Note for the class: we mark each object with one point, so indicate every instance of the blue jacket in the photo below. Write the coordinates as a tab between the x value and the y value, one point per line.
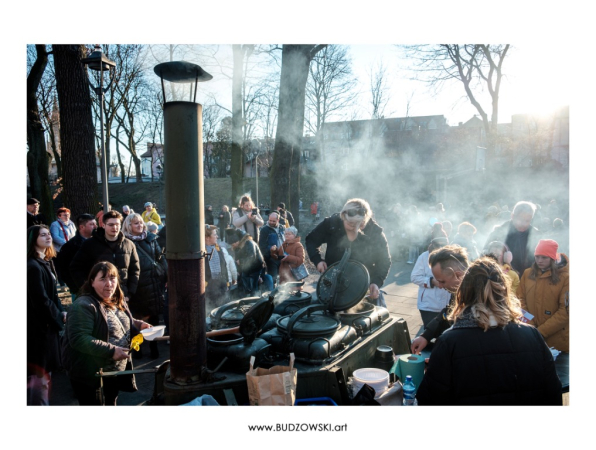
57	233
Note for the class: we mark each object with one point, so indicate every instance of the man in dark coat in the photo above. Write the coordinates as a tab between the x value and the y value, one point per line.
86	224
284	215
108	244
519	235
33	215
271	237
369	247
224	221
209	219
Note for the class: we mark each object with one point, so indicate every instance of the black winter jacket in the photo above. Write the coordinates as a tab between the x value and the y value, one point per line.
502	366
44	318
249	257
65	257
89	349
39	219
369	248
148	298
224	221
96	249
521	245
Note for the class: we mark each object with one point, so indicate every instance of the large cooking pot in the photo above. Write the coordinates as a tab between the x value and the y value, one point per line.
311	321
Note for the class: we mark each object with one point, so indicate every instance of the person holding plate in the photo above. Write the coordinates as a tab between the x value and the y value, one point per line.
99	332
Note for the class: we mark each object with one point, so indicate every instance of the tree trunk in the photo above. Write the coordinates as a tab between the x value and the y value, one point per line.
38	162
76	130
285	168
236	163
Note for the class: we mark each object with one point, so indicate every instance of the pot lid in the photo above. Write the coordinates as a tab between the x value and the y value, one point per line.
308	322
231	313
255	319
350	285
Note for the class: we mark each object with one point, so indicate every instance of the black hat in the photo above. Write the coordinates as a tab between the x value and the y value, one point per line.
233	235
282	205
32	201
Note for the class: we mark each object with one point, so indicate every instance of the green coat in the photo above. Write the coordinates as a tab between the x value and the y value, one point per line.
89	349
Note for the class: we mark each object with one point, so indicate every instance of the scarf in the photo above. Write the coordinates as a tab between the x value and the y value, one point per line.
214	263
136	238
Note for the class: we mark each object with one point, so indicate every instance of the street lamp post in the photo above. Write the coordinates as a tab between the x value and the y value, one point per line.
254	156
159	169
99	62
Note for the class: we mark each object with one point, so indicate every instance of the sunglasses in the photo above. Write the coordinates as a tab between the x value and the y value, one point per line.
356	212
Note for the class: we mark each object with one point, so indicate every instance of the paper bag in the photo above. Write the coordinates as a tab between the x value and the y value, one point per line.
275	386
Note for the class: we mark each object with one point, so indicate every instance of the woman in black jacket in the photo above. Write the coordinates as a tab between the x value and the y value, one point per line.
45	315
488	357
99	331
149	297
353	228
224	220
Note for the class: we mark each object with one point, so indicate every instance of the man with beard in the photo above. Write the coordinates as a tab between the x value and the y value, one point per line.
448	265
519	235
271	238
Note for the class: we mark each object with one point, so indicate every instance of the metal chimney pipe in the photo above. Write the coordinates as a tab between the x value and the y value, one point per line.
183	143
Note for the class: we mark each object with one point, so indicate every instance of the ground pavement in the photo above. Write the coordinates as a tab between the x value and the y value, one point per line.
401	302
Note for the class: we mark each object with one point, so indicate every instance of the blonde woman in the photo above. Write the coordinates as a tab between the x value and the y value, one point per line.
218	273
352	228
503	256
488	357
148	300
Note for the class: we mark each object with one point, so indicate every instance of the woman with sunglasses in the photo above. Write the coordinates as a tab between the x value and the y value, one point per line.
353	228
45	315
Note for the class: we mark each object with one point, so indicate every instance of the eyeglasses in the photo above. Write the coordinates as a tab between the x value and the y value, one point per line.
356	212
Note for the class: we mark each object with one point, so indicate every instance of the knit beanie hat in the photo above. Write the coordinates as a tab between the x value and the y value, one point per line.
547	247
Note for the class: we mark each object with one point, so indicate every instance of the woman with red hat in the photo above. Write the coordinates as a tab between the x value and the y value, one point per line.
544	293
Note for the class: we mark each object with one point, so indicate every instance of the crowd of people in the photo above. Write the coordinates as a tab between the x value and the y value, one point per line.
501	282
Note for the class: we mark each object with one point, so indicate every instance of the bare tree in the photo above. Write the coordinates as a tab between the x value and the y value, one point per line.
76	129
478	67
379	91
37	157
241	53
222	148
285	170
330	86
211	121
132	96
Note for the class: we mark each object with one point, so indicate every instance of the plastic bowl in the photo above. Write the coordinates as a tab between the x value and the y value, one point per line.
153	332
376	378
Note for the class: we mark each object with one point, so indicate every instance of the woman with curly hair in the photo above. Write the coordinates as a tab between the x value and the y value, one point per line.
488	356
